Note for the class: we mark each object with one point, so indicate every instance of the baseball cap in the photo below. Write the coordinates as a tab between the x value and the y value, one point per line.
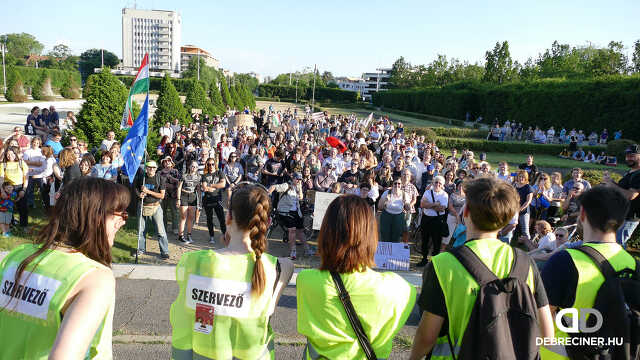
430	167
152	164
297	175
633	149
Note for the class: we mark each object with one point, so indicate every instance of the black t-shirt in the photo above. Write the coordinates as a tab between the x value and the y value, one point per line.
154	184
524	191
349	177
631	180
431	298
274	166
211	179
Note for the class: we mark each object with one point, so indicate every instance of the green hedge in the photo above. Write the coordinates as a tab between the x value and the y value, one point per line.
321	94
429	117
182	85
457	132
506	146
609	102
31	75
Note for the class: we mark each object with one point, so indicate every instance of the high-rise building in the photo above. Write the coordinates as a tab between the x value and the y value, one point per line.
157	32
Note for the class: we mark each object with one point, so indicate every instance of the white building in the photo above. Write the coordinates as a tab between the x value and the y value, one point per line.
351	84
375	81
157	32
187	52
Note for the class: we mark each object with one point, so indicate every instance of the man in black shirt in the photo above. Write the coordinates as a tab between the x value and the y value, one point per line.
491	204
630	187
531	168
150	190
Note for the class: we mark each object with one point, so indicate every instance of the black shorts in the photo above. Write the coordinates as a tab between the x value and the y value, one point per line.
188	199
291	220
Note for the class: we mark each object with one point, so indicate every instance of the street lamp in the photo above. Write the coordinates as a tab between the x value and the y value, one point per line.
4	73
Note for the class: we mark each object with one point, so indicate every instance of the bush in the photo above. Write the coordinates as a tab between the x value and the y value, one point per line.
70	89
169	105
15	87
590	104
42	88
321	93
428	117
507	146
461	132
594	177
618	147
155	84
197	99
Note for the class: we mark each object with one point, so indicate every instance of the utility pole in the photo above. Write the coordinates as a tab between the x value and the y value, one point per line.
101	59
289	79
297	77
198	64
313	92
4	73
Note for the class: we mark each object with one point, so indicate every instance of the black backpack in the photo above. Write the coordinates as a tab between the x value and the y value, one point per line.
618	301
503	320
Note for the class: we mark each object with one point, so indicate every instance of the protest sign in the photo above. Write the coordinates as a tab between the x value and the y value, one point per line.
320	206
392	256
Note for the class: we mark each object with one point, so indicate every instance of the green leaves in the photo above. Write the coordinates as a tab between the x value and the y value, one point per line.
169	105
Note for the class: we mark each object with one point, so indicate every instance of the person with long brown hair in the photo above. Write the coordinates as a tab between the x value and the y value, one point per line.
58	295
241	281
382	300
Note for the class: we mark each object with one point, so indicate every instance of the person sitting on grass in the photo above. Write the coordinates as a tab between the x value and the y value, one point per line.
564	154
8	198
578	155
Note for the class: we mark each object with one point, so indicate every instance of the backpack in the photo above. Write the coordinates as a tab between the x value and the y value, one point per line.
618	301
503	321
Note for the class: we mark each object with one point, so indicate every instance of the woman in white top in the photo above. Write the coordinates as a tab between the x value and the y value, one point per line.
434	205
36	162
393	203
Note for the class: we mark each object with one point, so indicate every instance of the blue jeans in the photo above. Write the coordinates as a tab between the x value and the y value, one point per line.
162	235
626	230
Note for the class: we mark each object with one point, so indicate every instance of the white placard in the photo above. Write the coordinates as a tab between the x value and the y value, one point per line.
31	297
323	199
392	256
228	297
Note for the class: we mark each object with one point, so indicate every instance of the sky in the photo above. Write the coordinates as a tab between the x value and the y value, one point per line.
346	37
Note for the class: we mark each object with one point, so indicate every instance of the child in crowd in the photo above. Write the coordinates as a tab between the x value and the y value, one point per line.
8	198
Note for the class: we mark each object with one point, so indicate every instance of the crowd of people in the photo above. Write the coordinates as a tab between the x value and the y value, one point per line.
512	131
390	180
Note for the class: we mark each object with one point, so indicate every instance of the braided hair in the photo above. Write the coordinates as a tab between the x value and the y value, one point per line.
250	207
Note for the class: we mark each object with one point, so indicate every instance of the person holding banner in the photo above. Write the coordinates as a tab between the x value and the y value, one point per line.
382	301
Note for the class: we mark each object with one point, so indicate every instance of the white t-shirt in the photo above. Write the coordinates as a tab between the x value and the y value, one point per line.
106	144
440	197
547	242
394	204
35	155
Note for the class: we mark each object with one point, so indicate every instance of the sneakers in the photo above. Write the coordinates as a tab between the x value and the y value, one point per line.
182	239
292	256
164	256
189	239
212	240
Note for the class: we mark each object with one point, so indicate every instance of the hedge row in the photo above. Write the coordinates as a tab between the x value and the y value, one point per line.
182	85
506	146
593	104
461	132
321	93
31	75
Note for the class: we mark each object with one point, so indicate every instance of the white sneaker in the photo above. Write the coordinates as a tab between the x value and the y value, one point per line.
212	240
189	239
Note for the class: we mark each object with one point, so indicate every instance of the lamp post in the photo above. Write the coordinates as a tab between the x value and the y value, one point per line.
313	92
4	73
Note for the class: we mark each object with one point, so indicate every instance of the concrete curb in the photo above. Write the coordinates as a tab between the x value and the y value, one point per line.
168	272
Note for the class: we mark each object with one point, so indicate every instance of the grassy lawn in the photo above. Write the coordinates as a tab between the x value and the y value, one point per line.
406	120
125	242
549	161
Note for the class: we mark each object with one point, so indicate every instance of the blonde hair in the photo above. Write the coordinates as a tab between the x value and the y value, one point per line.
546	227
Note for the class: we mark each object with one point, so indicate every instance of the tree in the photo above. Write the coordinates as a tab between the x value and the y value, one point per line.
60	51
216	100
237	101
102	110
224	91
635	60
21	45
327	77
208	74
169	105
42	88
70	89
499	65
197	98
400	74
247	80
92	59
15	87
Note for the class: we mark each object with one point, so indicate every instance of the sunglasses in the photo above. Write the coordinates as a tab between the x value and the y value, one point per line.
560	236
123	214
397	183
73	139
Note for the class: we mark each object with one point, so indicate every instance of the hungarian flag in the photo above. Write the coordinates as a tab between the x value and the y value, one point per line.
139	86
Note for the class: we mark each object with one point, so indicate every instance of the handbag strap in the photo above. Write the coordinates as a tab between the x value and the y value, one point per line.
437	213
363	339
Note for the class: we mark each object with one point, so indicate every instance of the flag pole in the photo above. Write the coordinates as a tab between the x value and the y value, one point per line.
144	177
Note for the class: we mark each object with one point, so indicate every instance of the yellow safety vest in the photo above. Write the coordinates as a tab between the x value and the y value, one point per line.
30	312
589	281
383	302
460	288
215	316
